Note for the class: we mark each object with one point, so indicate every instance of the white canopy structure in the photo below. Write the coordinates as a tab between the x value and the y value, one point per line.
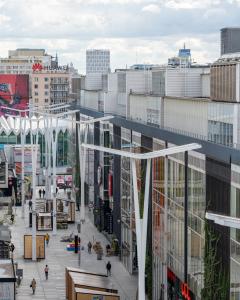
223	220
142	222
9	124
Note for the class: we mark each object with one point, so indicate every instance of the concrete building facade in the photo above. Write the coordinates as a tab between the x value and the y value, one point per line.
50	87
230	40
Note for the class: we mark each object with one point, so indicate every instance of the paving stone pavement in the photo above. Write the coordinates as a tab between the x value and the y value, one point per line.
57	258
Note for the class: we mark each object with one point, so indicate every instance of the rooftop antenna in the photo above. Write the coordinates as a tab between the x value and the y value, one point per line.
56	59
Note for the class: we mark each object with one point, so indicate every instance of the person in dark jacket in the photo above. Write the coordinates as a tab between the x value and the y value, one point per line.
108	267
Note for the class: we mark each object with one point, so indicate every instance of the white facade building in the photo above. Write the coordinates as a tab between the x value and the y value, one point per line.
97	61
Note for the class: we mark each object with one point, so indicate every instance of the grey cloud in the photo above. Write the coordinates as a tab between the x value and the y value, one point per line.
72	26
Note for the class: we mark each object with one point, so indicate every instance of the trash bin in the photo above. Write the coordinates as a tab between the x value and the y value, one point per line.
99	256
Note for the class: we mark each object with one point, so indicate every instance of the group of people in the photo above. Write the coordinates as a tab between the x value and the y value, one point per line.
33	284
41	193
108	265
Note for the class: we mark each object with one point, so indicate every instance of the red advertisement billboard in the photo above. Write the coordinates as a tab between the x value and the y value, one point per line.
14	92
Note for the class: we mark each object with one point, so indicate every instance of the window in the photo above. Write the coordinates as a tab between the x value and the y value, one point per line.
46	79
36	100
36	86
36	93
36	79
46	86
46	100
46	93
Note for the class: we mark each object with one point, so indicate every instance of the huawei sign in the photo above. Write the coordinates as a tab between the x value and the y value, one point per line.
37	67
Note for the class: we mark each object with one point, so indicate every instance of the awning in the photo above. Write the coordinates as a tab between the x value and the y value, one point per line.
9	125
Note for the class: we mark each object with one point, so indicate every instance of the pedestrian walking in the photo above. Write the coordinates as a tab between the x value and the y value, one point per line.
47	238
56	190
108	248
12	218
40	193
30	204
33	285
89	247
108	267
18	280
46	272
64	188
11	247
43	193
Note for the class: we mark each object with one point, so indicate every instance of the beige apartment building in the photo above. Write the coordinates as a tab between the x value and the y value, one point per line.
50	87
20	61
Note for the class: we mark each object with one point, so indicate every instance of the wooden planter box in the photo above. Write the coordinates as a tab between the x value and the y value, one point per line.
40	246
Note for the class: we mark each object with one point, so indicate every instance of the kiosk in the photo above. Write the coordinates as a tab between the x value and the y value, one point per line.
44	221
75	270
40	246
7	280
77	278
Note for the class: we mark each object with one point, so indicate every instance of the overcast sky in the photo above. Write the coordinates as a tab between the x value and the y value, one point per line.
135	31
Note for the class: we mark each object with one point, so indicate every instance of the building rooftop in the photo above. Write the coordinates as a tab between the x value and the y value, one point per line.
30	49
229	57
232	27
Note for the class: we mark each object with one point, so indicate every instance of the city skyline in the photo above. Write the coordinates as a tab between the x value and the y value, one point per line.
137	31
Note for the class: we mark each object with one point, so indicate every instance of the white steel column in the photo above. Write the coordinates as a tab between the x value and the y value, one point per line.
82	168
141	225
34	151
46	151
49	184
48	129
165	229
54	151
23	137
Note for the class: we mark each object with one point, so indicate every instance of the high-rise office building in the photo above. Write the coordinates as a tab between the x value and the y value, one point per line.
230	40
97	61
